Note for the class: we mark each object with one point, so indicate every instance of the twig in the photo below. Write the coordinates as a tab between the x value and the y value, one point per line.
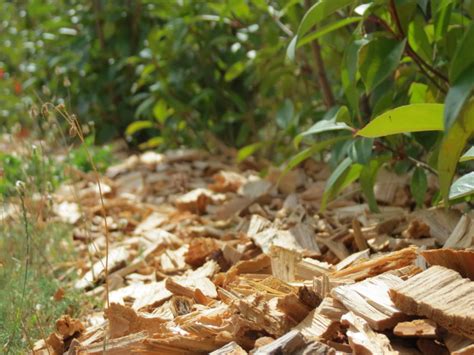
326	90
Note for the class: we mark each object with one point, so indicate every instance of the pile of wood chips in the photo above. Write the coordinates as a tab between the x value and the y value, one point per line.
205	257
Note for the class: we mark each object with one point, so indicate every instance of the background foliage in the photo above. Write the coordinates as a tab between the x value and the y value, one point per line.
277	78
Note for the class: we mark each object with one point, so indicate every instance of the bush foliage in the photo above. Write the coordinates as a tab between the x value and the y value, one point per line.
385	82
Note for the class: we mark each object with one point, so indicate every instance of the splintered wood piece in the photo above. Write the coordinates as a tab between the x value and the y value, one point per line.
359	238
352	259
439	294
229	349
378	265
117	259
305	237
227	181
363	340
273	236
322	322
418	328
255	312
286	344
120	346
257	224
199	249
124	321
458	345
308	268
441	222
463	235
284	263
231	255
197	200
233	207
461	261
293	307
338	248
68	327
148	295
369	299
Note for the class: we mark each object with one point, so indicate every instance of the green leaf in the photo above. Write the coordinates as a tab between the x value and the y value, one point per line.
309	152
161	111
361	150
417	93
318	12
418	39
458	93
285	114
442	17
403	119
469	155
462	187
137	126
419	186
152	143
464	56
332	124
327	29
234	71
367	179
248	150
451	147
378	59
346	173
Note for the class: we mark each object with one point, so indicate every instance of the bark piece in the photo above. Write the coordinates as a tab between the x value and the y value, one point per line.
418	328
439	294
363	340
369	299
68	327
416	229
286	344
461	261
229	349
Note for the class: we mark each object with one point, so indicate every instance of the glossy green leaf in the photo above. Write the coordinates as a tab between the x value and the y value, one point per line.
367	180
138	126
464	55
378	59
442	15
419	186
320	11
464	186
457	96
316	13
418	39
152	143
333	124
451	148
345	174
327	29
469	155
361	150
310	151
410	118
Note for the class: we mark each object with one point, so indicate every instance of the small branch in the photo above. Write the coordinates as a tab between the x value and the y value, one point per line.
420	61
326	90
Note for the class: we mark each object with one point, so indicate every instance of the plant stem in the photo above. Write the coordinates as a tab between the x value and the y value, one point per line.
326	90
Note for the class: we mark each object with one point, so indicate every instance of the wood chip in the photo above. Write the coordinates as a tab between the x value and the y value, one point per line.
229	349
286	344
458	345
463	235
418	328
439	294
369	299
363	340
461	261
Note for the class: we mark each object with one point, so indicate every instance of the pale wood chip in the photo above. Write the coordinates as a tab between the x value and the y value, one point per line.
418	328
